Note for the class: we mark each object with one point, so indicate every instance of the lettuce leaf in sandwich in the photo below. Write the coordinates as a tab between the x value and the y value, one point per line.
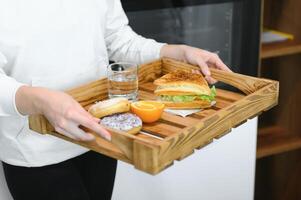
190	98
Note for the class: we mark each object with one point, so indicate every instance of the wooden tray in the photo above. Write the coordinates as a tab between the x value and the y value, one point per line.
173	137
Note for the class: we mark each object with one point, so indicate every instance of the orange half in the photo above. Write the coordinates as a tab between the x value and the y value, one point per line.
148	111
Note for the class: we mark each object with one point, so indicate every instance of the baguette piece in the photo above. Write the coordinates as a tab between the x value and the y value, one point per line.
109	107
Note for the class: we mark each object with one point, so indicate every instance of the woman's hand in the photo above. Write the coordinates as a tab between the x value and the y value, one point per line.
204	59
62	111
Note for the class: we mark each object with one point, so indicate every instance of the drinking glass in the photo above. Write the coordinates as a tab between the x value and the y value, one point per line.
123	80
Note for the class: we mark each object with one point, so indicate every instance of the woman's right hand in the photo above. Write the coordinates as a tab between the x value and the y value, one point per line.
61	110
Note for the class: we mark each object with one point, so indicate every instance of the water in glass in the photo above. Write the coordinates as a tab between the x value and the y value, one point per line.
123	80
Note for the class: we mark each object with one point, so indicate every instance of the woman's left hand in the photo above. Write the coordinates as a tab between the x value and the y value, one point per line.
204	59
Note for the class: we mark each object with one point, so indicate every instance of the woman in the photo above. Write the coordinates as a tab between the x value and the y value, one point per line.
50	46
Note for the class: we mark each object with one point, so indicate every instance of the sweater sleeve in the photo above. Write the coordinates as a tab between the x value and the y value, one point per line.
8	89
123	44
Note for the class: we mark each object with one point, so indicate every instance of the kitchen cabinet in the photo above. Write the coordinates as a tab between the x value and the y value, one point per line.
279	133
279	129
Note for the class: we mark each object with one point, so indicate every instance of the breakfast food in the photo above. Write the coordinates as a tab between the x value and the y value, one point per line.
114	113
148	111
109	107
184	90
127	122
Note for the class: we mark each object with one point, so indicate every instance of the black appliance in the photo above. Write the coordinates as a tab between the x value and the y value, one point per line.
229	27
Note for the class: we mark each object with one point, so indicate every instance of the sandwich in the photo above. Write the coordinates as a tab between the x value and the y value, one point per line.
114	113
184	90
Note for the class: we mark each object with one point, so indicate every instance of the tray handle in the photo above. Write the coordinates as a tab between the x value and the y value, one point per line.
246	84
121	142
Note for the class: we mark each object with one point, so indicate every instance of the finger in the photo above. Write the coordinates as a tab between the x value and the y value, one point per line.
210	80
91	124
87	114
91	117
222	66
83	111
64	132
101	131
219	64
204	67
195	71
73	129
97	120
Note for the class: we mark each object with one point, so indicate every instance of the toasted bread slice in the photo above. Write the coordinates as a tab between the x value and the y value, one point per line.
181	82
184	89
179	77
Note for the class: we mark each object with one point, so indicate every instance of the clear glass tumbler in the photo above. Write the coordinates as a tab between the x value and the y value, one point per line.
123	80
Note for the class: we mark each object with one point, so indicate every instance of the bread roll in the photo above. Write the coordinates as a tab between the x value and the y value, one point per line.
109	107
